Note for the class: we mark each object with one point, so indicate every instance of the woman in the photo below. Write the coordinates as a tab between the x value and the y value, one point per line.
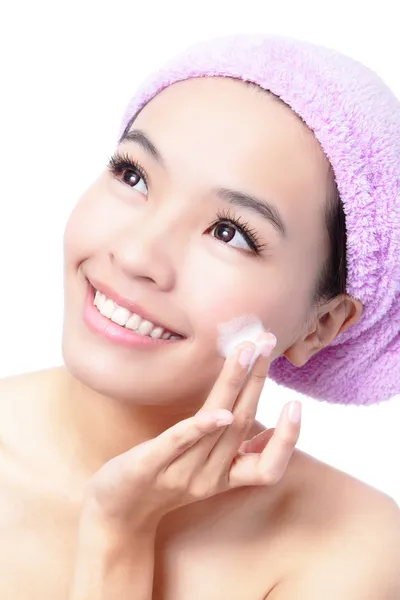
126	472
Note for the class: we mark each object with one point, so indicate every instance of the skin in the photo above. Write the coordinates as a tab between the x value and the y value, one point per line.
157	249
157	254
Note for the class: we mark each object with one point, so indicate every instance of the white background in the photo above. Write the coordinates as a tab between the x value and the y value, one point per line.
67	71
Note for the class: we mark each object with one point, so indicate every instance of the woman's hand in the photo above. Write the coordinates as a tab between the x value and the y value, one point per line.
198	457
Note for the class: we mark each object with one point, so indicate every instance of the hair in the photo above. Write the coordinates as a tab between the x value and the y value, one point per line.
332	278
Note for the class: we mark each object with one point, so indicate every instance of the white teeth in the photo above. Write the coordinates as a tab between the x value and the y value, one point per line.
123	317
99	299
120	315
145	327
133	322
107	308
157	333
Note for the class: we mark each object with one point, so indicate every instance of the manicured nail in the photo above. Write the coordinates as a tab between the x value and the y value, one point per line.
246	355
294	412
268	345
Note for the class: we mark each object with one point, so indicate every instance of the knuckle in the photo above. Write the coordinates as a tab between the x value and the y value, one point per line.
272	476
179	440
259	378
140	471
201	489
287	439
234	380
175	482
171	485
136	466
196	494
243	421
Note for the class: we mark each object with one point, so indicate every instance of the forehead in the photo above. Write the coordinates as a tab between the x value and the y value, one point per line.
240	117
227	103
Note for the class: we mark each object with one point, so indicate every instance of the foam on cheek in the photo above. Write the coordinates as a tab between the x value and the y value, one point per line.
246	328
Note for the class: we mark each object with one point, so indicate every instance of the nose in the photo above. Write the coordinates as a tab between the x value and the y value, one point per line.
146	251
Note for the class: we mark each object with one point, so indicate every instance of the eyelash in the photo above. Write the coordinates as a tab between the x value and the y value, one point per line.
121	162
226	217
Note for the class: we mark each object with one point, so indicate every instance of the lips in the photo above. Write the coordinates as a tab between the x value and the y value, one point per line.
133	307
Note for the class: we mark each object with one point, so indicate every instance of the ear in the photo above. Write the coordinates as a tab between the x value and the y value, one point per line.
333	318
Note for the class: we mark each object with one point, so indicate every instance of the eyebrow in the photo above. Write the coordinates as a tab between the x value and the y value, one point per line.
262	207
247	201
136	136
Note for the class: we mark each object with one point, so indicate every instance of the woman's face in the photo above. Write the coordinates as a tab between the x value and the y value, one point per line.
168	244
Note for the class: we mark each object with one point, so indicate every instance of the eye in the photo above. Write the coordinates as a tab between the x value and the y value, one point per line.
128	172
231	229
225	232
134	179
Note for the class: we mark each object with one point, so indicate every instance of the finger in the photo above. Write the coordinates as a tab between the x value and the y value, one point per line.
257	443
268	467
223	395
231	379
274	459
155	455
245	408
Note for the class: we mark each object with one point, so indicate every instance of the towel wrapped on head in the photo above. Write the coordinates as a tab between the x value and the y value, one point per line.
356	119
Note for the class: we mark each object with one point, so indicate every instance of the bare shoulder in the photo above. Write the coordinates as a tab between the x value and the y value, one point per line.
336	500
346	537
22	399
16	384
16	391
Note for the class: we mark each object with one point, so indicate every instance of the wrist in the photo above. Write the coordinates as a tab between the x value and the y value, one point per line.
110	530
110	561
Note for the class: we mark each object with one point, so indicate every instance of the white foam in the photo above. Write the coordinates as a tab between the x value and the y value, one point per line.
246	328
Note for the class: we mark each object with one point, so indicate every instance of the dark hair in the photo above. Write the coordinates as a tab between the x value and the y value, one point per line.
332	278
333	275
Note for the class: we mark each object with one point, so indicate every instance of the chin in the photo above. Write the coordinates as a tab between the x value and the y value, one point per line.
144	379
128	381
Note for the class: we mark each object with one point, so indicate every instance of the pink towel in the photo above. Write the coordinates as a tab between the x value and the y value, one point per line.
356	119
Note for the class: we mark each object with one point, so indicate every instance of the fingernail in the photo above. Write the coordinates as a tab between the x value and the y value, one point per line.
246	355
267	346
219	417
294	412
224	421
224	418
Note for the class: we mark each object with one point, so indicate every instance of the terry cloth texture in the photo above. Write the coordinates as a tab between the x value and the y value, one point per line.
356	119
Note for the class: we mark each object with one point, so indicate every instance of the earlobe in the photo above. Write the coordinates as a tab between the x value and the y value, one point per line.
302	350
337	316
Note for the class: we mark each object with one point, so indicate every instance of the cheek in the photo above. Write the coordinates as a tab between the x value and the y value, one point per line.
216	292
219	288
78	228
89	226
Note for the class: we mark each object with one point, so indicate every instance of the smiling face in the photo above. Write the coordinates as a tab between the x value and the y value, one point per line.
220	153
